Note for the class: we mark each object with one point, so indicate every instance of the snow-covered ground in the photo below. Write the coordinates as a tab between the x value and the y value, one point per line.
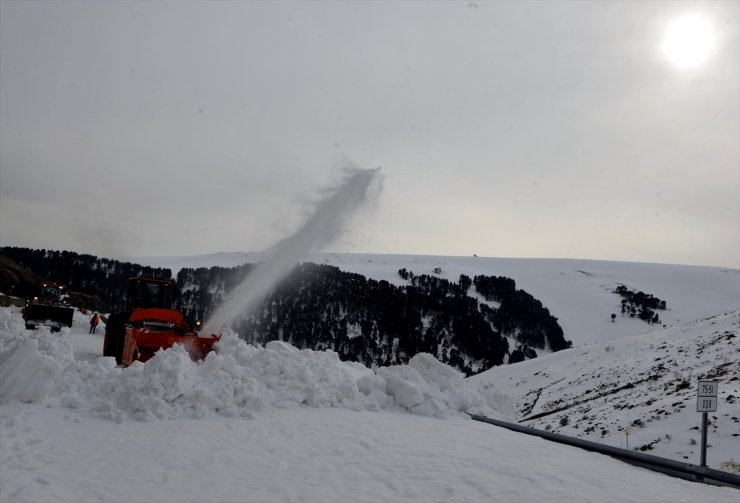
309	455
577	292
275	424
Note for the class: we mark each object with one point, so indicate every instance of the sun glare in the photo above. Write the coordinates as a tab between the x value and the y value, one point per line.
688	41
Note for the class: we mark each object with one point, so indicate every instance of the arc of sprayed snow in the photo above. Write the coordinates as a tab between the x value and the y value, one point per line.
319	229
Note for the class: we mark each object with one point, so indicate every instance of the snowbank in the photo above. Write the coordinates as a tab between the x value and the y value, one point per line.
237	380
26	374
32	363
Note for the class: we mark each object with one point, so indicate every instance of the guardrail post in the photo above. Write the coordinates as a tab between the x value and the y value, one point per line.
704	422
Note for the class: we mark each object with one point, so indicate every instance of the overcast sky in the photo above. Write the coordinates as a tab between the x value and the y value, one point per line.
511	129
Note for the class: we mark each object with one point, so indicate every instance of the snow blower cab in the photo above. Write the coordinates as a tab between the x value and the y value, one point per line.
48	308
148	323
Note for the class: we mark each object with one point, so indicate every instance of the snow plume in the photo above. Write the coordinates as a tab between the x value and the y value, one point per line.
320	229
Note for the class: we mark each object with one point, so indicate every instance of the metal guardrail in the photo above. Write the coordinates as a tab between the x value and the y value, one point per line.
686	471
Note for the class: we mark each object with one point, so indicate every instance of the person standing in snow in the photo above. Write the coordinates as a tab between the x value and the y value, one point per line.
94	322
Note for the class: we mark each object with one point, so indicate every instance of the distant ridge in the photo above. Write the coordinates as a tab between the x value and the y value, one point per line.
579	292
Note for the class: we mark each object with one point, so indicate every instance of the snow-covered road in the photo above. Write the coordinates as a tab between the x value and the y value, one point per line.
308	455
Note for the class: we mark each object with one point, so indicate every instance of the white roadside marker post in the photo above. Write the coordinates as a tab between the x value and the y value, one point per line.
706	401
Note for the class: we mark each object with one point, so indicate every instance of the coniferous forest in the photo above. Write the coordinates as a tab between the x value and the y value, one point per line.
321	307
640	304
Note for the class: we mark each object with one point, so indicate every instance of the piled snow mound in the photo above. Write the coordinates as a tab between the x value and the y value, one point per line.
26	374
237	380
31	362
11	322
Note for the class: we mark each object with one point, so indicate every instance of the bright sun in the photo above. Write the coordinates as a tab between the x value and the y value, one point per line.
688	41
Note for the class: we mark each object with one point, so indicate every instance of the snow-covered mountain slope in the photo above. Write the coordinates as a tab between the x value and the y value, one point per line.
242	426
639	390
577	292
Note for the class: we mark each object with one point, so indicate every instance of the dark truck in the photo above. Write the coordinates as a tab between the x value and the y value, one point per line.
49	309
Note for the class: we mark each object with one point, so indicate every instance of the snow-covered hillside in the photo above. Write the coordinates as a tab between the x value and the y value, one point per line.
274	424
639	390
577	292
